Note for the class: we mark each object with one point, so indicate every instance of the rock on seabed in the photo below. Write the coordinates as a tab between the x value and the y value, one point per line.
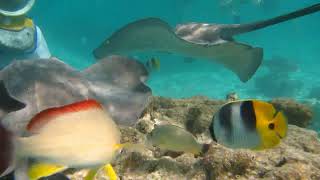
296	157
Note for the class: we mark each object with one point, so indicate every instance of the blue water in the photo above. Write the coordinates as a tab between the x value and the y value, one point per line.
74	28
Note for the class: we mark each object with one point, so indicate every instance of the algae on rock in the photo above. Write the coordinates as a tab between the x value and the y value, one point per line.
296	157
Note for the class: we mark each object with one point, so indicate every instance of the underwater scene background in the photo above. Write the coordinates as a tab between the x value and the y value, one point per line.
291	50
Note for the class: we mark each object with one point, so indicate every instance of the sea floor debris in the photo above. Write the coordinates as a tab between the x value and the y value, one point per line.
297	156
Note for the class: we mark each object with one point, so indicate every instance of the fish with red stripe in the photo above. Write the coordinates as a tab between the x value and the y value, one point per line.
78	135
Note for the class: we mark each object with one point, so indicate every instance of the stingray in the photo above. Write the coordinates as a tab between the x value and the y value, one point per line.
7	102
197	40
46	83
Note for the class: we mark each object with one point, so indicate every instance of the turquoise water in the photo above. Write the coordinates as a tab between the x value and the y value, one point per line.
74	28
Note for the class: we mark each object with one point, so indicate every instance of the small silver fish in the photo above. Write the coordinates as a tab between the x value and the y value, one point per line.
173	138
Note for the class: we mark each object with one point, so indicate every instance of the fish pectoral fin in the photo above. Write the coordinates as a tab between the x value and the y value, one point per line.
39	170
108	169
91	174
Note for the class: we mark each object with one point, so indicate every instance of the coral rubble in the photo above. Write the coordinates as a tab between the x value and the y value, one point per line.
297	156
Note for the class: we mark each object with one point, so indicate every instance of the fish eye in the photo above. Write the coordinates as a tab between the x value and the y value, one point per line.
271	126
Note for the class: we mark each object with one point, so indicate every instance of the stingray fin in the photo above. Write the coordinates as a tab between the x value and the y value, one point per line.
120	71
242	59
153	34
39	170
8	103
118	83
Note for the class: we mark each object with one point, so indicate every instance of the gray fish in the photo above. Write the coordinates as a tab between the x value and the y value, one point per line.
173	138
198	40
47	83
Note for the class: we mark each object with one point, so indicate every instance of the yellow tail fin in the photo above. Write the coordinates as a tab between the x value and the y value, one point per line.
108	169
91	174
110	172
39	170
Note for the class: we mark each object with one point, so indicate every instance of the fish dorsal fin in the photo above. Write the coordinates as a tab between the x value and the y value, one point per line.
45	116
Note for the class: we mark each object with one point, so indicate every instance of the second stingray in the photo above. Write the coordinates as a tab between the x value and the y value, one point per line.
197	40
117	82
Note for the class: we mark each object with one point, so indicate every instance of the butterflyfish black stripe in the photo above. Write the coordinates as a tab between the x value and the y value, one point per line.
248	115
225	120
275	114
211	130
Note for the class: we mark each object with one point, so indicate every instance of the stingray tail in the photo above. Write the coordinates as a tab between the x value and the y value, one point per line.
244	28
6	151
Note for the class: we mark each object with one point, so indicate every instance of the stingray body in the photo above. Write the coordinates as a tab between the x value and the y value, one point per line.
42	84
197	40
8	103
153	34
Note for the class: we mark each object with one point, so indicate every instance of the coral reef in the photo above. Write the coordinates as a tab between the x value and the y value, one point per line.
297	156
277	85
314	101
